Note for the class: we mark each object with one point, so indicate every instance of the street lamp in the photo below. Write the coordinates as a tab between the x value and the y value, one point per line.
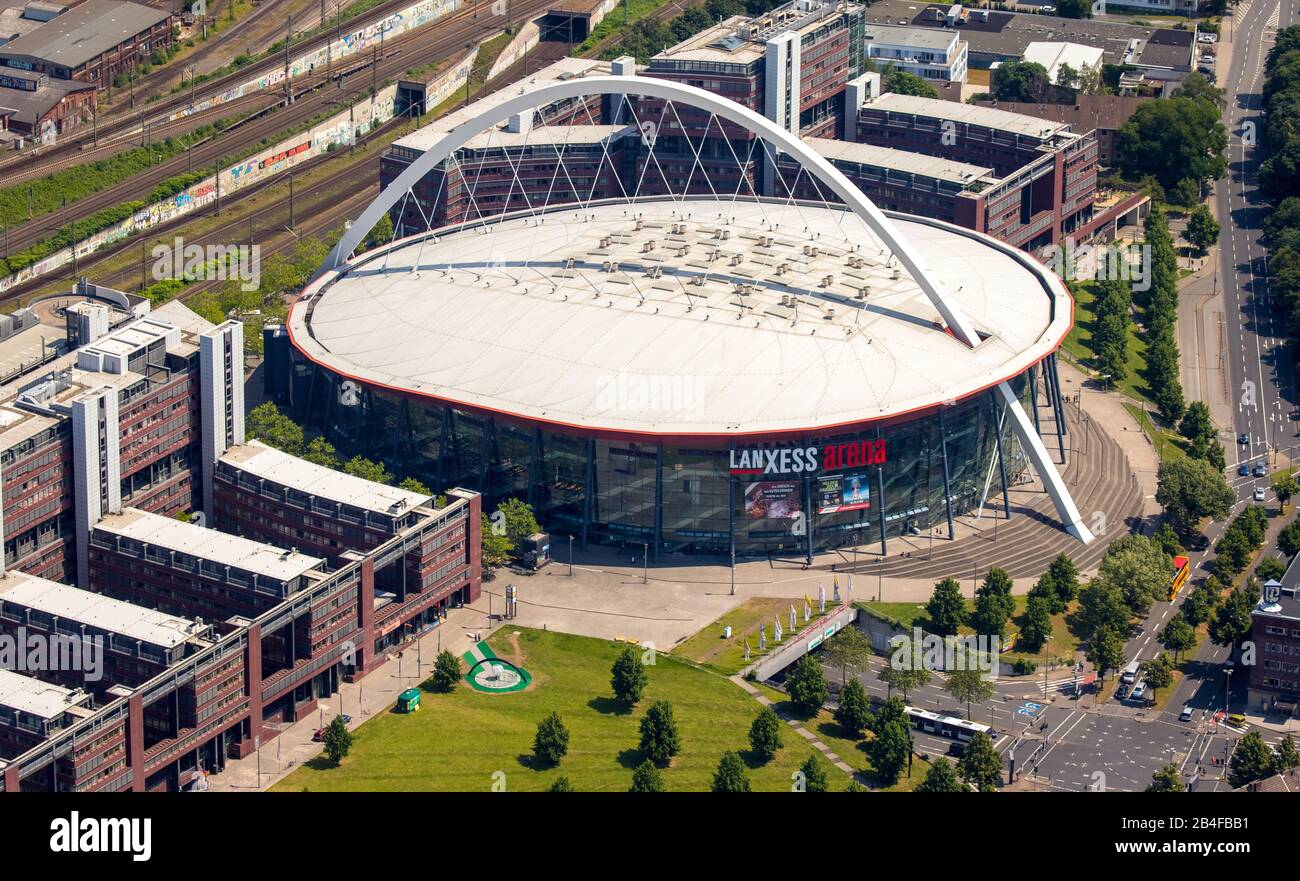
570	556
645	563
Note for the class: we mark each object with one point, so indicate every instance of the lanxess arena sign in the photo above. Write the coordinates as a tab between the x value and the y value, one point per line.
791	461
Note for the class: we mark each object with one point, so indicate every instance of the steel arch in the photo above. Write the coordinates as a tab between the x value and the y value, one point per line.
667	90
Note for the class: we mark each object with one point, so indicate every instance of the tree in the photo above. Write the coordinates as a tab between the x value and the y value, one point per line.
1231	622
1168	540
1252	760
267	424
968	687
807	685
1202	228
849	650
981	766
496	547
337	740
1287	755
519	522
814	775
1172	139
1178	635
906	83
1270	569
889	750
993	603
628	676
765	735
1101	604
1197	424
1065	582
1074	8
446	671
561	784
1158	671
730	776
660	740
551	742
410	484
1140	567
1288	540
1190	489
1110	331
947	608
941	778
1021	81
646	778
1105	651
359	466
1285	486
1035	624
1202	602
854	710
1166	780
321	452
1196	86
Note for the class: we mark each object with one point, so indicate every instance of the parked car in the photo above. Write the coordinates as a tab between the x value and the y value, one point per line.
1198	542
1186	714
1138	693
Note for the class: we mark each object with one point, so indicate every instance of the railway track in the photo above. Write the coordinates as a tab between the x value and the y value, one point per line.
131	121
317	99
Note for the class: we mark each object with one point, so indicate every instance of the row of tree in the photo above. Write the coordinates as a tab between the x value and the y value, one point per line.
1279	175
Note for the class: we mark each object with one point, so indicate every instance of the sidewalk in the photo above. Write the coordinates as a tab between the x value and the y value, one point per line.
370	696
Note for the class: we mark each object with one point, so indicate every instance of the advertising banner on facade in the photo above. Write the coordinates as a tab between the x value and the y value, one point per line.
773	500
844	492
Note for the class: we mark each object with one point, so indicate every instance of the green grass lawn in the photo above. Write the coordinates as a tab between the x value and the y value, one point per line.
1065	634
846	746
1169	444
727	656
1078	344
458	741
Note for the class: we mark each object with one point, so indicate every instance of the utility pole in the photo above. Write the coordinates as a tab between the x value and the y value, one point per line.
291	200
288	37
143	277
94	121
216	177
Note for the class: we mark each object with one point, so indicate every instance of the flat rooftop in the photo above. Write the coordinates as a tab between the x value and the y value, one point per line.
720	43
1006	34
84	32
259	460
904	161
907	35
213	545
969	114
37	698
17	423
566	68
28	107
96	610
698	336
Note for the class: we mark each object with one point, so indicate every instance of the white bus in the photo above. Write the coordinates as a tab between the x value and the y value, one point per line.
946	726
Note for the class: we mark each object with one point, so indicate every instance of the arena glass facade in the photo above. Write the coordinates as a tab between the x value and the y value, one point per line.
675	496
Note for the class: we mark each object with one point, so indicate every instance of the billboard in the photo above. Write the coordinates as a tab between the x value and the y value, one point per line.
773	500
844	492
